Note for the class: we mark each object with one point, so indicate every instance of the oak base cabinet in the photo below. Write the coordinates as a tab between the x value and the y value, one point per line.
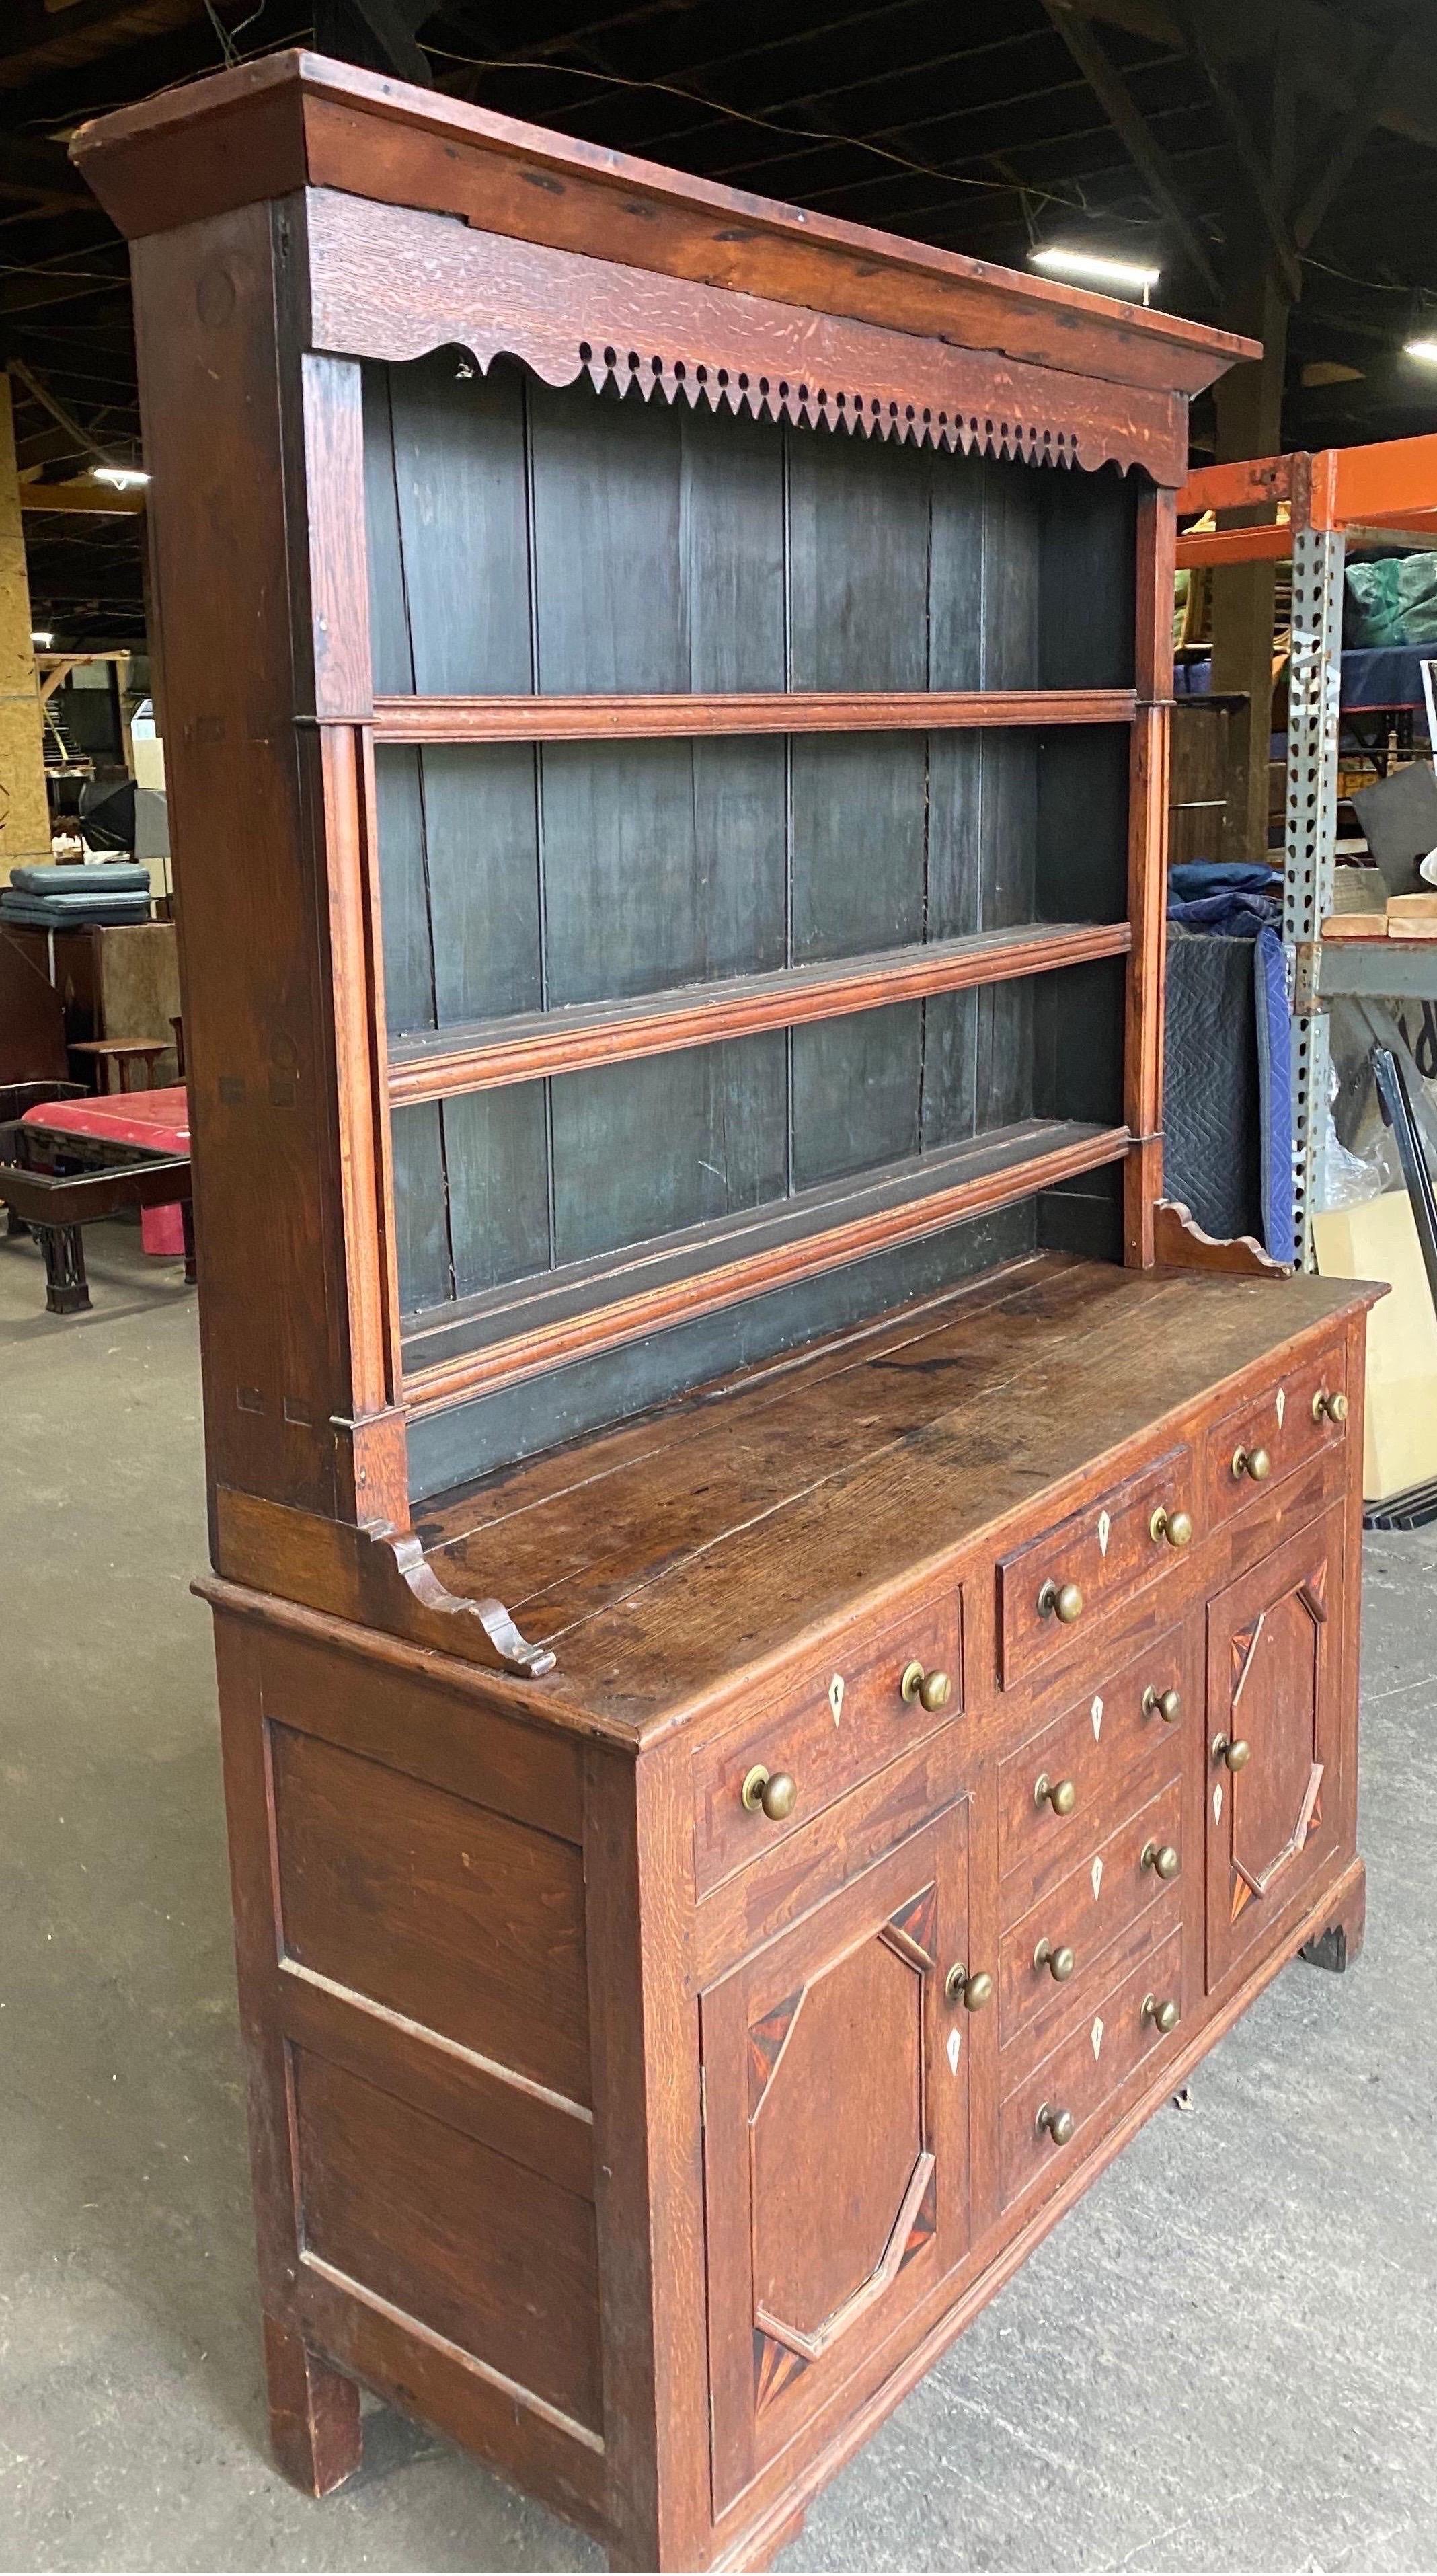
643	2100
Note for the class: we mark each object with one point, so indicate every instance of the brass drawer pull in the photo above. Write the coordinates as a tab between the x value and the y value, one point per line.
1060	1600
972	1992
771	1791
1175	1527
1332	1408
1059	1963
1233	1754
1251	1462
1164	2017
1160	1858
1168	1704
931	1690
1058	2124
1060	1795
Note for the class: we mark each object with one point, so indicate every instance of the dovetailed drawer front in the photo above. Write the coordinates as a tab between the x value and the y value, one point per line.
1055	2114
1275	1432
1057	1956
1064	1791
873	1699
1054	1589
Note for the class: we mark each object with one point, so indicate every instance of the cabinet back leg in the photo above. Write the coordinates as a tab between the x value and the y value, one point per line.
313	2414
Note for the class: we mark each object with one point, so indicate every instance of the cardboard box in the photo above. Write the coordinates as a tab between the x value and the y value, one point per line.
1378	1240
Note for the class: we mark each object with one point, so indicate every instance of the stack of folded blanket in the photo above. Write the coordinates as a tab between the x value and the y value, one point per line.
76	898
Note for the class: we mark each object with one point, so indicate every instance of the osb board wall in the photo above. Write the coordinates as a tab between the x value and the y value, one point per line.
24	812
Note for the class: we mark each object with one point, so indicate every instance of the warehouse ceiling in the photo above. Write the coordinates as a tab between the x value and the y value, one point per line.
1217	140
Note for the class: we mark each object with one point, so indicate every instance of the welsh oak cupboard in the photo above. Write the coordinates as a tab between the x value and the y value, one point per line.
782	1677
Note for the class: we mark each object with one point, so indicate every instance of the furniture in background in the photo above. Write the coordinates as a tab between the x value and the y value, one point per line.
781	1681
32	1022
117	1060
120	982
65	1164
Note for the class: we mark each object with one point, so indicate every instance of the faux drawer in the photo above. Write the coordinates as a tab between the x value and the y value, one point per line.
1109	1550
1280	1423
1088	1912
1091	2066
1113	1750
844	1722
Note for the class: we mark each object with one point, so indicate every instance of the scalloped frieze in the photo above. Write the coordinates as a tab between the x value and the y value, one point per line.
390	283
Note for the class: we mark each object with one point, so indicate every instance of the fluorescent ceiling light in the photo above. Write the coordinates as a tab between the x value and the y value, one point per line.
43	636
125	478
1424	349
1124	274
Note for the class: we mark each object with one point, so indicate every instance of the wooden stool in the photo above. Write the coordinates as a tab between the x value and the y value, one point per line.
116	1055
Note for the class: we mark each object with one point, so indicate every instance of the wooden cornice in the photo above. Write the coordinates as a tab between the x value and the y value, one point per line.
292	121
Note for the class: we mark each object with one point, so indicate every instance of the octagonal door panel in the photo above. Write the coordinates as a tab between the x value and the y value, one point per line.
1273	1665
836	2080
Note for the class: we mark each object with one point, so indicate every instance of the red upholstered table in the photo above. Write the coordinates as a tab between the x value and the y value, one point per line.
72	1161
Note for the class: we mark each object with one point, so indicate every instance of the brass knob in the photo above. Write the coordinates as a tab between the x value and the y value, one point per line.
1160	1858
931	1690
1059	1963
1234	1755
1060	1795
1168	1704
1058	2124
1164	2017
1252	1462
1333	1407
973	1992
774	1792
1063	1600
1175	1527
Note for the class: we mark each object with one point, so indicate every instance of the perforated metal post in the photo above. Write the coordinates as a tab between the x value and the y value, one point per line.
1313	707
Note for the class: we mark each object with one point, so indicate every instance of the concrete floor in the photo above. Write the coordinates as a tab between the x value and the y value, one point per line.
1226	2358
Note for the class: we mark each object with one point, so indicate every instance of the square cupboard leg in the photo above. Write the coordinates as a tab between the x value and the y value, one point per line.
314	2425
1341	1940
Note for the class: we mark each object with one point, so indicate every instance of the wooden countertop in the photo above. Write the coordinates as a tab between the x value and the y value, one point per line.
663	1558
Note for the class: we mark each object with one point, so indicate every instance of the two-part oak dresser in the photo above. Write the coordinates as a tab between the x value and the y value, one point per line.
787	1627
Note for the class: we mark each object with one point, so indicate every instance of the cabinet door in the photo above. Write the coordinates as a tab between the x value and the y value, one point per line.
836	2142
1272	1680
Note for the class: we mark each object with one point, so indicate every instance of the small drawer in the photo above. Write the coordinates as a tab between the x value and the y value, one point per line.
1057	1586
1073	2085
1064	1791
857	1711
1275	1432
1061	1952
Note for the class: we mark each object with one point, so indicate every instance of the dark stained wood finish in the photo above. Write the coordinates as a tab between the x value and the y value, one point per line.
294	119
313	2414
655	719
670	790
1274	1639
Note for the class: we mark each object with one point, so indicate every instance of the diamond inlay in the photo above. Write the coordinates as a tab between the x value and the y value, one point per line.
1097	2036
835	1697
1097	1876
1097	1717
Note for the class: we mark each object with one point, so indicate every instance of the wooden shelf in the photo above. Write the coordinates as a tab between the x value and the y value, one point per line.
597	719
460	1351
489	1053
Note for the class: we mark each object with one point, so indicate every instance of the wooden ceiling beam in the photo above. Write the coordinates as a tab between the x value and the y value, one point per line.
1130	125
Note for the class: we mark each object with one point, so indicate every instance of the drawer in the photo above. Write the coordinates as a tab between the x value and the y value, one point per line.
845	1721
1289	1423
1056	1587
1084	1916
1077	2080
1111	1751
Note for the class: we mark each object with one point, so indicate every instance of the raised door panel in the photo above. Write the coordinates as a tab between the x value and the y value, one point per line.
836	2084
1273	1736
